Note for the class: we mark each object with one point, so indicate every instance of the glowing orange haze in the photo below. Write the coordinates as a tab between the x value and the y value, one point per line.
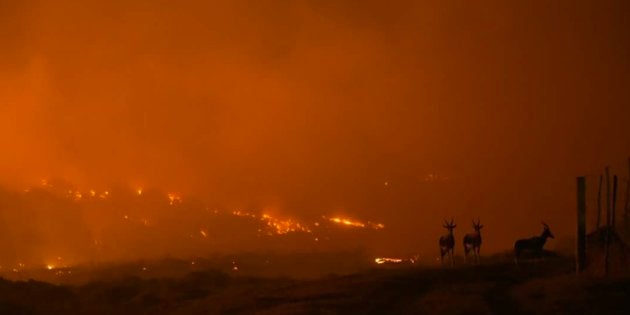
401	113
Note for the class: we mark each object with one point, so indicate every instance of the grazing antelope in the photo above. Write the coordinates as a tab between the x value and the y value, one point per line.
472	241
447	242
533	244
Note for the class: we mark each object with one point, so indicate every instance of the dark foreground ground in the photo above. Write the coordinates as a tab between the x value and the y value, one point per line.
543	287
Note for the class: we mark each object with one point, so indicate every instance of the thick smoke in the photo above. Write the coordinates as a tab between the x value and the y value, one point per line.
403	113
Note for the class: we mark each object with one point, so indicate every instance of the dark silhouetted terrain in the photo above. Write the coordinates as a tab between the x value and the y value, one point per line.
499	287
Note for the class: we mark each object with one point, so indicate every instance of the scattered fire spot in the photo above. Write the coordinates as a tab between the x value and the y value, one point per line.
239	213
174	198
280	226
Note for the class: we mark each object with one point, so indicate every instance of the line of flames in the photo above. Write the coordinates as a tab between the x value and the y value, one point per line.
276	225
355	223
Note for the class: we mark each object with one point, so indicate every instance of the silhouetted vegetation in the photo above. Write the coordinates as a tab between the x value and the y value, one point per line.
546	286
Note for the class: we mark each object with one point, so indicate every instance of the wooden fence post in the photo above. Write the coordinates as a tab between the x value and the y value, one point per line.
607	230
599	202
581	224
614	203
626	214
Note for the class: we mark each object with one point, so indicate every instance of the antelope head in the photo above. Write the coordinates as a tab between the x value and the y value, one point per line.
449	225
547	230
477	225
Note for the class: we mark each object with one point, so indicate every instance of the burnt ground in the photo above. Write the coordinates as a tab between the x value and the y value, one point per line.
541	287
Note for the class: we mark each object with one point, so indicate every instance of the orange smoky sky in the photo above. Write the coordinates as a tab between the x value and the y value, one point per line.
403	112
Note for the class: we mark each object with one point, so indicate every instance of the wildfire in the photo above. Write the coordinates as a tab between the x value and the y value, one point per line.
347	222
269	224
382	260
395	260
354	223
284	226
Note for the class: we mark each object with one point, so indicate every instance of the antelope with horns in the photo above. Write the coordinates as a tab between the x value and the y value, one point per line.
472	241
533	244
447	242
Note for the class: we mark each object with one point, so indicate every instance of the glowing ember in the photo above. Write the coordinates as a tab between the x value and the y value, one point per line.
139	191
50	267
203	233
239	213
174	198
376	226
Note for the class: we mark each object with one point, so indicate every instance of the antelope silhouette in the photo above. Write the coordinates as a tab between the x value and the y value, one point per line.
472	241
533	244
447	242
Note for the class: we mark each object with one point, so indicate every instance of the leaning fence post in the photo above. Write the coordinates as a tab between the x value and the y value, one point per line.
581	224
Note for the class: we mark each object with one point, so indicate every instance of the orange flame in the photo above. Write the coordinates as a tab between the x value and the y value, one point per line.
382	260
284	226
355	223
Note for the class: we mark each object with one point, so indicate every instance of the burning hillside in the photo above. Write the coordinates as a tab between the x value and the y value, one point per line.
55	224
